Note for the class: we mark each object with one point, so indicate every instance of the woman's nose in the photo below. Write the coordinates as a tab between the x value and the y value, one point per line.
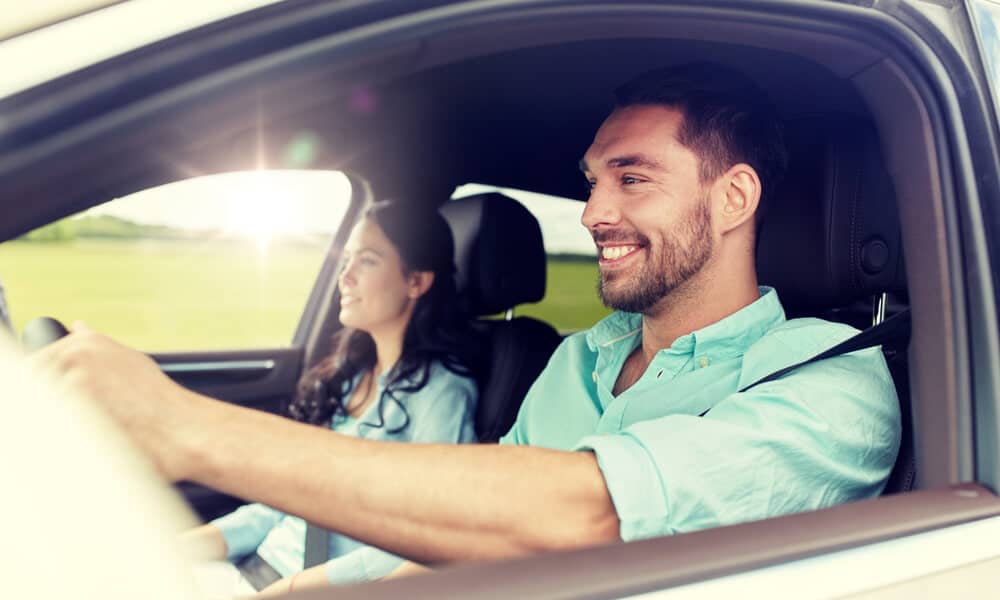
346	278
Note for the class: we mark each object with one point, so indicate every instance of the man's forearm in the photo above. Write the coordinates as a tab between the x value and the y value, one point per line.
428	502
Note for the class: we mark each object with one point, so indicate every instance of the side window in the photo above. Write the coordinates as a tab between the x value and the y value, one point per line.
217	262
571	302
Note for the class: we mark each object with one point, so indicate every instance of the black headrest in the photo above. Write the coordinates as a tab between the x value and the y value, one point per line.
830	235
498	253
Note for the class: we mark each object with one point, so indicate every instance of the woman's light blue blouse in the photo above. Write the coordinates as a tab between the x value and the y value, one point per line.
442	411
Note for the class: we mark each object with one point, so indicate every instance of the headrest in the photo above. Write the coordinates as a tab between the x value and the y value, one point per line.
498	253
830	235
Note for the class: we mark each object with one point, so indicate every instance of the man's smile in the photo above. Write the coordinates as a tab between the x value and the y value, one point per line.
617	254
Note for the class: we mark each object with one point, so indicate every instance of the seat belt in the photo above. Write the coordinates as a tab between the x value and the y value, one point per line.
896	326
257	571
317	546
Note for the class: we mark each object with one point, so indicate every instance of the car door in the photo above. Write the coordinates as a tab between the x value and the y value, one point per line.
908	60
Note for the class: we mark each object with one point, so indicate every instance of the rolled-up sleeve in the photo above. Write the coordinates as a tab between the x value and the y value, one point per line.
828	433
246	527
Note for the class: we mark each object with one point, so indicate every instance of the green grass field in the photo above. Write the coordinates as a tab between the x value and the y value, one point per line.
183	295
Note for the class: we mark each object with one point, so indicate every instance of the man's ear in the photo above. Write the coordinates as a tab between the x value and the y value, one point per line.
420	282
738	195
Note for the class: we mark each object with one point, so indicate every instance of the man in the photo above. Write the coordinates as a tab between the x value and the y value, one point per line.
636	427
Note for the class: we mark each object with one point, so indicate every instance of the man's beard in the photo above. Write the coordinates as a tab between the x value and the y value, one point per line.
680	259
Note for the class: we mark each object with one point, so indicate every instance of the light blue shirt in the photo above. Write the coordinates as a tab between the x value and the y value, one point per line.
821	435
442	411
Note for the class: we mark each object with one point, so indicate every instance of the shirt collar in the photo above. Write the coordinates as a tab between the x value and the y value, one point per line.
731	335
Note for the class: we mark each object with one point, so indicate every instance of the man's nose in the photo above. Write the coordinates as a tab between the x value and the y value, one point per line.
601	209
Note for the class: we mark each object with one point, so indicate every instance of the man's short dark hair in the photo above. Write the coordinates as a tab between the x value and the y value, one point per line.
727	119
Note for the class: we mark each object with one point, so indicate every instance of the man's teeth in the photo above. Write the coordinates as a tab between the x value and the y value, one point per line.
615	252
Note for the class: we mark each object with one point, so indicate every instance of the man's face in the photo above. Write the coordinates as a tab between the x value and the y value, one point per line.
648	211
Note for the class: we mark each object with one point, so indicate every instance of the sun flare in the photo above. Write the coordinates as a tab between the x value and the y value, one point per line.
260	211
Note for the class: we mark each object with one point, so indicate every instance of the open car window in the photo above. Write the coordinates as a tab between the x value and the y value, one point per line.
223	261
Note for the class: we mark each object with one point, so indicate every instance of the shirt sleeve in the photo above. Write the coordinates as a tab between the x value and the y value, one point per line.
364	564
825	434
246	527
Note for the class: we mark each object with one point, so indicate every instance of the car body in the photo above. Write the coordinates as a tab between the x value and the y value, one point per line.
413	98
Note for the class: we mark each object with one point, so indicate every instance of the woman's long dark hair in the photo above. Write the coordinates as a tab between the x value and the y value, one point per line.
437	329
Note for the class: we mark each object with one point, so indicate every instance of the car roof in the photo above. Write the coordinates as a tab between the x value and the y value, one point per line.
86	32
414	111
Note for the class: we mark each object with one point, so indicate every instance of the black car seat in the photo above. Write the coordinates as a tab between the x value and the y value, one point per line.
830	242
501	263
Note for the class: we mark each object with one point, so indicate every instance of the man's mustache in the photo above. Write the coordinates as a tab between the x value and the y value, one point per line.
606	236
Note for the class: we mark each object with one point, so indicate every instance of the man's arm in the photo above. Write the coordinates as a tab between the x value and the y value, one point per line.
428	502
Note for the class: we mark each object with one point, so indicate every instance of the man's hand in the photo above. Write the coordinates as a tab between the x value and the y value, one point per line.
125	383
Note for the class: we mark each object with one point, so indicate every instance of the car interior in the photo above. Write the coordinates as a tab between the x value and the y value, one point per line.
412	108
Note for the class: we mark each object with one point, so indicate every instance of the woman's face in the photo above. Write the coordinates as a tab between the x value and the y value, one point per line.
375	293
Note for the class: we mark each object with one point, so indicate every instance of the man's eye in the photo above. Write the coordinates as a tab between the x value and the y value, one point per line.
588	186
628	180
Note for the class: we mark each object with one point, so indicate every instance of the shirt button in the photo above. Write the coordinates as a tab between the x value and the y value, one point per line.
703	362
594	376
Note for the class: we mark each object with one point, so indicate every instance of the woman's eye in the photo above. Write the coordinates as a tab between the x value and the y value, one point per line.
368	262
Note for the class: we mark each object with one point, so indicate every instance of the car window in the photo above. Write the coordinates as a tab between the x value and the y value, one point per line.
985	16
223	261
570	302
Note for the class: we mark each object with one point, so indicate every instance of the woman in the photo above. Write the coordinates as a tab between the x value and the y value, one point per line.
400	370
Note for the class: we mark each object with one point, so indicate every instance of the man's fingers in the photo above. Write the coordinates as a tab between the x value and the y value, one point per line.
71	349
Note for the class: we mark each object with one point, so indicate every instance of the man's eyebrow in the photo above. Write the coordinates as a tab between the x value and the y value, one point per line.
633	160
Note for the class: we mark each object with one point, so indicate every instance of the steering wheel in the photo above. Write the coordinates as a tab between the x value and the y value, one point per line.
40	332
